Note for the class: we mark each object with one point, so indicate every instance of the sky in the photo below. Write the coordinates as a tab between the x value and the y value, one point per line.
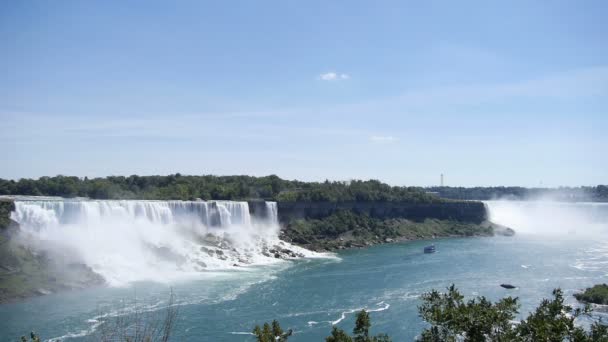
486	92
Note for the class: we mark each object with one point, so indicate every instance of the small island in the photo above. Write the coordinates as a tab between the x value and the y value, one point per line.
597	294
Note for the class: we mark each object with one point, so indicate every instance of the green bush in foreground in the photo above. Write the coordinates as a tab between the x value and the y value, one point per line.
452	319
271	334
33	338
361	332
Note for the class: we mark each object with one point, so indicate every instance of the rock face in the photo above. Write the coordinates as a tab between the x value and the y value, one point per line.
464	211
6	206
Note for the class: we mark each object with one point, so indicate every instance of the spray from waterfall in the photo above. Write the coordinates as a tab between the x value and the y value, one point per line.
551	218
126	241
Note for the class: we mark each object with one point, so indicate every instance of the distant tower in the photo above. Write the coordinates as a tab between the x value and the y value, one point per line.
442	179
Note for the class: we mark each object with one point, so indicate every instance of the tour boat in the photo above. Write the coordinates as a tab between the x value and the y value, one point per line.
429	249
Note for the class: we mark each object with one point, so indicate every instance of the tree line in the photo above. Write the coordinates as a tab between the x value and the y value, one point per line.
207	187
272	187
584	193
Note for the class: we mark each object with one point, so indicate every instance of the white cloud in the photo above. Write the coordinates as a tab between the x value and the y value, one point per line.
333	76
383	139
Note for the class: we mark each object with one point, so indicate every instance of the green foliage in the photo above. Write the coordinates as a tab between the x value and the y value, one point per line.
550	322
274	332
272	187
361	331
362	326
5	213
356	190
338	335
349	229
597	294
450	317
268	333
453	319
213	187
33	338
586	193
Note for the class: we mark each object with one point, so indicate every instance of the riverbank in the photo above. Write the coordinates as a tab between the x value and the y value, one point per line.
346	229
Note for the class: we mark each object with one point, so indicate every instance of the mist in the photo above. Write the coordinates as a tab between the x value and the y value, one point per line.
547	217
127	241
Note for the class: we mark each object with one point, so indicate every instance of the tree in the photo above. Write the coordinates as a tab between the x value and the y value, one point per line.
271	334
362	326
33	338
453	319
338	335
361	331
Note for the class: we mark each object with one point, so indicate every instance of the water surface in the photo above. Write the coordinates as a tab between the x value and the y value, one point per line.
310	295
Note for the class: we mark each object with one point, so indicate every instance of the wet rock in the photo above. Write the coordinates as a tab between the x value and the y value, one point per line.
210	252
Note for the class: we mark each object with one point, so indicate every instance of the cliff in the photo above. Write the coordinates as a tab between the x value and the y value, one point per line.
6	206
462	211
335	225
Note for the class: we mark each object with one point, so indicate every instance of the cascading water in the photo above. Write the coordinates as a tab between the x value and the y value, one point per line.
127	241
272	213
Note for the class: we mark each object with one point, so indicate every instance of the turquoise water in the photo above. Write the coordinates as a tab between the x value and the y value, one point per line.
309	295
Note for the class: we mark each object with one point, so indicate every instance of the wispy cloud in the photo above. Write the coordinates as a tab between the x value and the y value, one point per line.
333	76
383	139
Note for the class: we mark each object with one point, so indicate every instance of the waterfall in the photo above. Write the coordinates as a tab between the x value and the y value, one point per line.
272	213
551	218
131	240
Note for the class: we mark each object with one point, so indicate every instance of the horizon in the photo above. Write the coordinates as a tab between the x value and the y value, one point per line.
399	92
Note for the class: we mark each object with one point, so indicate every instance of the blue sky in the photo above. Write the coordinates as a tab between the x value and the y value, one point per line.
486	92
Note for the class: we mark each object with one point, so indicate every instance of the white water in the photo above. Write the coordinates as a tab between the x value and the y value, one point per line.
551	218
126	241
